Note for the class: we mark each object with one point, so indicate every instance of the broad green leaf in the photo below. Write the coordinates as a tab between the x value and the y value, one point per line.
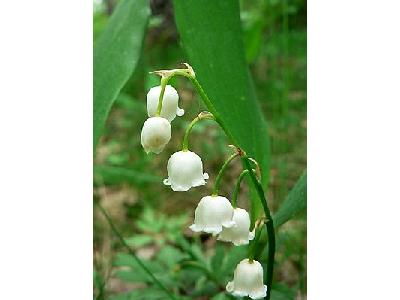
211	35
115	57
295	203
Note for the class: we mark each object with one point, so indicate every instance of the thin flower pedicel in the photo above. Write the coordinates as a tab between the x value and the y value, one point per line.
170	108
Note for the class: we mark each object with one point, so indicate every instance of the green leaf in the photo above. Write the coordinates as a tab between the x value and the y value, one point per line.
170	256
139	240
115	57
194	265
278	295
212	38
236	254
281	291
133	276
295	203
126	260
99	283
193	250
132	271
115	175
138	294
217	259
221	296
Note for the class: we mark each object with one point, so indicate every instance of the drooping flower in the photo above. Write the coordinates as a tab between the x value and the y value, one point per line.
185	170
169	108
156	133
248	280
239	234
213	213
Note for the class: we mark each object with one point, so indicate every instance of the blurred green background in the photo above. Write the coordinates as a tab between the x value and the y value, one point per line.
154	219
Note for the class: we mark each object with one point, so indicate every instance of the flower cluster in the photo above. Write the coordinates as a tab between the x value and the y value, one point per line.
215	214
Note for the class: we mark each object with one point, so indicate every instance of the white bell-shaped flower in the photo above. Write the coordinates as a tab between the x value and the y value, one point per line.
238	234
156	133
213	213
169	108
185	170
248	280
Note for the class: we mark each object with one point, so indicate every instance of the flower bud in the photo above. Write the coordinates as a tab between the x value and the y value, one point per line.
185	170
211	214
169	108
156	133
239	234
248	280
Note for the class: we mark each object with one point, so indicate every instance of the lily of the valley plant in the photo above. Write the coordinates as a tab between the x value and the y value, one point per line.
215	214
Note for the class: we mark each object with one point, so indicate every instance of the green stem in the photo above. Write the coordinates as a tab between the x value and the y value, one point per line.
139	262
260	191
210	105
235	195
269	223
203	95
164	81
253	245
221	172
236	190
202	116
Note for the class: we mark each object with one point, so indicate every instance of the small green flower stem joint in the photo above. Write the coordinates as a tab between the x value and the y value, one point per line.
191	75
221	173
205	115
166	75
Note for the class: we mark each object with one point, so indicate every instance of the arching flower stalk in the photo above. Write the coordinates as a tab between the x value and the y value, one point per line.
214	214
185	168
204	115
240	234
